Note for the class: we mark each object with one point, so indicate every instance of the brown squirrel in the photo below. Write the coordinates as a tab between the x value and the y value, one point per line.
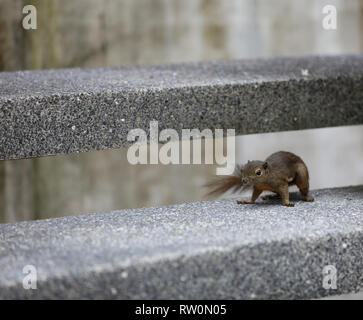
279	171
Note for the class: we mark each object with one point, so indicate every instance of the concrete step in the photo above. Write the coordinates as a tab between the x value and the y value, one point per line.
203	250
73	110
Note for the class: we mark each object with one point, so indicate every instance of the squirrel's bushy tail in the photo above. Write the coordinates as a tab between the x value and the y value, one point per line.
223	184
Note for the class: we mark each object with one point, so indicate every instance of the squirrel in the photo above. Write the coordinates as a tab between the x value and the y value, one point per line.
279	171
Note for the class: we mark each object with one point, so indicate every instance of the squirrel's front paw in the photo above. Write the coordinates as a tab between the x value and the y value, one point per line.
289	204
309	199
244	201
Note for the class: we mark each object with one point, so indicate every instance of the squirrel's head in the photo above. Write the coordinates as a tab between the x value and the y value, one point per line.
253	172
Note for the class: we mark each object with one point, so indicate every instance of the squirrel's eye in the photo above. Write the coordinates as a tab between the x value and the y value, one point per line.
258	172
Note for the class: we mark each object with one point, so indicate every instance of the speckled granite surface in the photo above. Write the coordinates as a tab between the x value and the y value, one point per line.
75	110
202	250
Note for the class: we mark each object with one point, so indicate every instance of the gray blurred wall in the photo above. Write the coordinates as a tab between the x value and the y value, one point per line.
93	33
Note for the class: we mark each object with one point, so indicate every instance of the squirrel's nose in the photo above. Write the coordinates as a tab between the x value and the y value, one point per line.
244	180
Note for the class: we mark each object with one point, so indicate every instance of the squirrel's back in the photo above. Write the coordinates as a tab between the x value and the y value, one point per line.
286	164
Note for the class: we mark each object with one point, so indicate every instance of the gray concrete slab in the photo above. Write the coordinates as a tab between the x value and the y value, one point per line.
73	110
203	250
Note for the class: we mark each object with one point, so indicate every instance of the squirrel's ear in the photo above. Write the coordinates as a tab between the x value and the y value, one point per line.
265	165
